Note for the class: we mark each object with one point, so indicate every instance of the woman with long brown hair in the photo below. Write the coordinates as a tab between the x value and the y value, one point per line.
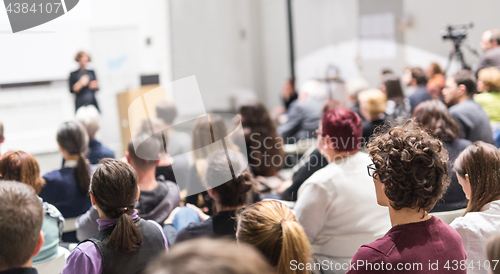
68	188
433	115
126	242
478	171
271	227
22	167
263	144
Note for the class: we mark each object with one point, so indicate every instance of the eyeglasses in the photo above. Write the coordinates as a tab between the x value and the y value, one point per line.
372	171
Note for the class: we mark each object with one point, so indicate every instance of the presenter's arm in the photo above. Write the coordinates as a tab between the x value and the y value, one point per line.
76	85
93	81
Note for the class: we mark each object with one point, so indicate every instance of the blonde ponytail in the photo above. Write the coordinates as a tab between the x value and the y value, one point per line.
271	227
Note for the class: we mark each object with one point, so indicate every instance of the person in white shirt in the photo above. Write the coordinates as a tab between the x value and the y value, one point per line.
478	172
337	205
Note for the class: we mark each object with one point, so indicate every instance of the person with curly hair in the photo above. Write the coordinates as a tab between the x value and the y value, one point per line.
337	205
410	172
478	171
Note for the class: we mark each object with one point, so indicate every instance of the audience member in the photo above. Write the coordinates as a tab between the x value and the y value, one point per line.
473	122
2	138
157	197
314	162
493	253
210	257
489	44
178	142
228	197
478	171
22	167
271	227
126	242
304	113
437	80
418	82
373	103
202	147
262	142
410	173
489	98
288	94
164	168
67	188
353	87
89	117
435	118
398	107
21	218
337	205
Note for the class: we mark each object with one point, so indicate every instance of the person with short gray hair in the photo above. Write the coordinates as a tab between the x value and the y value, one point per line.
490	42
21	218
90	119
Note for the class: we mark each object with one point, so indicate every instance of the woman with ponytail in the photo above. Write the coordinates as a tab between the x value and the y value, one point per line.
271	227
67	188
126	242
228	183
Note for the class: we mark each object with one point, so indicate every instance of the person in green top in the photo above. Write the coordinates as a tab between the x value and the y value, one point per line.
489	98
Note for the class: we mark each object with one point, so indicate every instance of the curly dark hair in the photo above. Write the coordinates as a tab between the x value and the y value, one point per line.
412	165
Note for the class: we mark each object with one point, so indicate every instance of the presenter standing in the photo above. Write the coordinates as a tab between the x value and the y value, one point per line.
83	82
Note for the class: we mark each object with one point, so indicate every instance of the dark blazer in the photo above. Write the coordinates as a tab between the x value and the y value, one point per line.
86	96
490	58
315	163
420	95
222	224
303	120
473	121
61	190
454	198
97	152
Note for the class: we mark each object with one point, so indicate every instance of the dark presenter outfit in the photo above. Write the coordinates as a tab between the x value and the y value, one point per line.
86	96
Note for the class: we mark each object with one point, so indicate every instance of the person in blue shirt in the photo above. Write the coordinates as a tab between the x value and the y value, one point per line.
89	117
67	188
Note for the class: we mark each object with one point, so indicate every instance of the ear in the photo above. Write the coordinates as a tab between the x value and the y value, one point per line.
39	243
328	143
138	192
127	156
212	193
467	178
92	199
463	89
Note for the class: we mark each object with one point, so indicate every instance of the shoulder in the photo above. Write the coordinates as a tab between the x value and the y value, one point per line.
462	143
53	176
85	258
322	176
194	230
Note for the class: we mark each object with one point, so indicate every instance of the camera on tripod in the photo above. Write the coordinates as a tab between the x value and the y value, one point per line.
456	32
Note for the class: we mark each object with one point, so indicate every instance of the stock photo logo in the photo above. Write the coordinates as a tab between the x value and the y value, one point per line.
26	14
209	134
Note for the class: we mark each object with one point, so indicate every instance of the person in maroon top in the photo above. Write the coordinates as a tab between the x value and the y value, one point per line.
410	172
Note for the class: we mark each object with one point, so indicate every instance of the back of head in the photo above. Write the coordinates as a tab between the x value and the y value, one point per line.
374	101
481	162
167	111
220	168
490	78
466	78
393	87
435	68
73	138
146	155
494	35
271	227
343	126
493	251
114	188
210	257
313	89
412	165
418	74
434	116
89	117
206	131
21	167
21	218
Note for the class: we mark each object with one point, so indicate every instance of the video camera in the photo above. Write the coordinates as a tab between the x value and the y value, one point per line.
456	32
